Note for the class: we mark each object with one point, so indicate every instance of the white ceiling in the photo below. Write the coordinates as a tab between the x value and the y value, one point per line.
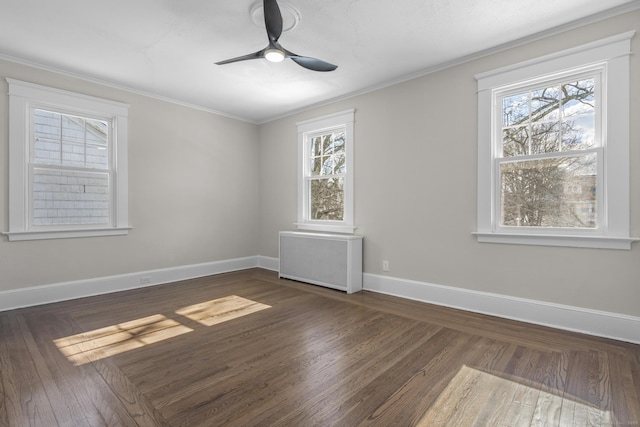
167	48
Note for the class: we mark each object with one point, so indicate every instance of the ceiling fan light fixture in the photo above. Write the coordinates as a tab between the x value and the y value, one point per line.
274	55
273	23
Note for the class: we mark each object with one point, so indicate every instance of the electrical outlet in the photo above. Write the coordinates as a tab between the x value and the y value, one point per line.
145	280
385	265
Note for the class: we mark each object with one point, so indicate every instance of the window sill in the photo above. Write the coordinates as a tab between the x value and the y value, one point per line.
329	228
65	234
599	242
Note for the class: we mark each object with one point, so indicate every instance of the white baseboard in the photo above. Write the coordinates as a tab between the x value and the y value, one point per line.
37	295
593	322
269	263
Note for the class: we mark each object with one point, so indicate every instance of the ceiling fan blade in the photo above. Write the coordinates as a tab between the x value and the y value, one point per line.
257	55
311	63
272	19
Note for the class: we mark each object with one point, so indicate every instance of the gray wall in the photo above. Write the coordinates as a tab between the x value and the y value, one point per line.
205	188
415	178
193	194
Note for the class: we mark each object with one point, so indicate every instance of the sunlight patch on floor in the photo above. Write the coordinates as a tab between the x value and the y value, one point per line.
474	395
221	310
111	340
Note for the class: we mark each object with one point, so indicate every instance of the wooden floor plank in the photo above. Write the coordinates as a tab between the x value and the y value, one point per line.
214	342
356	366
84	384
511	391
137	405
247	341
248	349
312	341
388	397
625	377
65	405
549	404
321	365
25	396
525	373
469	390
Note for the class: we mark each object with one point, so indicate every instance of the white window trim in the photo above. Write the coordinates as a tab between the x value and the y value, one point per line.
341	119
22	95
613	53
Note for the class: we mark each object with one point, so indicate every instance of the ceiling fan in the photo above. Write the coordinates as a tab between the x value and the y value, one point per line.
274	52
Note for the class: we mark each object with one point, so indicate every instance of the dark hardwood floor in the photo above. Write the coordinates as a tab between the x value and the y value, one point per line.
248	349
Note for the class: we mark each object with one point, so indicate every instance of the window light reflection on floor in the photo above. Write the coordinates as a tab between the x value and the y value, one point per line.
105	342
221	310
509	400
109	341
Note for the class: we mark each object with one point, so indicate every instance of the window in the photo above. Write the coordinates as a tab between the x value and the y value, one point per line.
553	149
67	164
548	160
325	175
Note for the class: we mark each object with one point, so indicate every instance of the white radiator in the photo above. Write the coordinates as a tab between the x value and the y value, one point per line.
330	260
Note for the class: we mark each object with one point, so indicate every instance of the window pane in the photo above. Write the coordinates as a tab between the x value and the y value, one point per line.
515	109
47	129
97	157
555	192
96	132
70	197
316	146
515	141
545	104
339	164
579	98
579	133
545	137
327	199
335	143
328	165
578	111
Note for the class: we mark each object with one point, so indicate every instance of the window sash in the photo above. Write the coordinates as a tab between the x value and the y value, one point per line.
340	180
77	208
597	73
600	227
78	203
310	176
66	141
